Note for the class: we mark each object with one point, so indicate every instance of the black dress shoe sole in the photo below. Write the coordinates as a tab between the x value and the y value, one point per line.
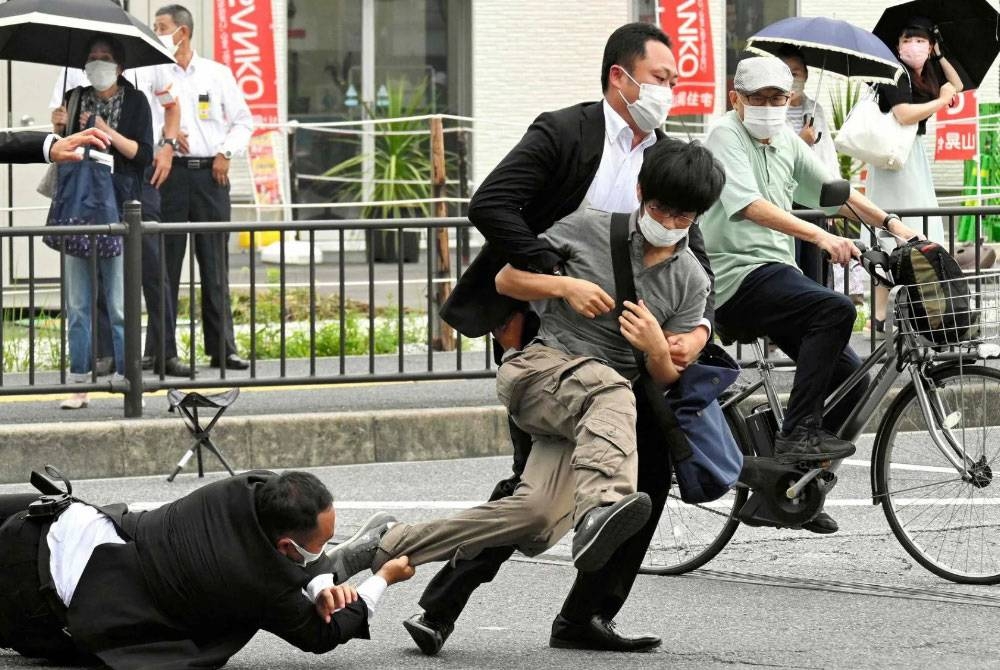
428	640
619	526
591	645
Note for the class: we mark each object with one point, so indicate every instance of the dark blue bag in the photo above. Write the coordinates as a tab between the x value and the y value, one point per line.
85	196
716	460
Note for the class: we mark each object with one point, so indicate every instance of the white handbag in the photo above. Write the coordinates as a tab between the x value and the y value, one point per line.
875	138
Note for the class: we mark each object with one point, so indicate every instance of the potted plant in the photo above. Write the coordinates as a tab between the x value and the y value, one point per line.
402	164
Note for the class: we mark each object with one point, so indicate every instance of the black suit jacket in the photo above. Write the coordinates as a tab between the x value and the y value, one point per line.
197	580
544	178
22	147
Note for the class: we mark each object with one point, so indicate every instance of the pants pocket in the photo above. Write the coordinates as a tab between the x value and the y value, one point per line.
606	439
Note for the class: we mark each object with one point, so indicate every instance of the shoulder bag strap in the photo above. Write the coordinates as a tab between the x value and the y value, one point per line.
621	264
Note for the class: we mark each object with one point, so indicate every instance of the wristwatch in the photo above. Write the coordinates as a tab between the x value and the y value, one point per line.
227	154
172	141
889	217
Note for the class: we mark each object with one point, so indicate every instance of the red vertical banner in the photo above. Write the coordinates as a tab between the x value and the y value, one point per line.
688	24
244	40
957	136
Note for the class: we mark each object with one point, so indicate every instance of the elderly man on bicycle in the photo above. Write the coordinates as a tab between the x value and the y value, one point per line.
749	236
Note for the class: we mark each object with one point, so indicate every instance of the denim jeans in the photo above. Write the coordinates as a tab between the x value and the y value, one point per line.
80	286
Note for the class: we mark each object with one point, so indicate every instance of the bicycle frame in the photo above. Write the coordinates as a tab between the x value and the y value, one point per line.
875	392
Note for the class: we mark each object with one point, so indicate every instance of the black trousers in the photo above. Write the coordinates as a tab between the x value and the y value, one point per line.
602	592
161	310
28	624
810	323
193	195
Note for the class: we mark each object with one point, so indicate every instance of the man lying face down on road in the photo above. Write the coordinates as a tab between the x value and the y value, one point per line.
185	585
570	387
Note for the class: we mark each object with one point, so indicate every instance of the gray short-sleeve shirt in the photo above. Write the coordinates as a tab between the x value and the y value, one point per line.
675	290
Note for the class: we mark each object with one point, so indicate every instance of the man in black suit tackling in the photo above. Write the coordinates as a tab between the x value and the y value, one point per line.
590	152
184	585
35	147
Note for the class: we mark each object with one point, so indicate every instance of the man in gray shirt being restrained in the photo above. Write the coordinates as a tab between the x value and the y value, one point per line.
570	387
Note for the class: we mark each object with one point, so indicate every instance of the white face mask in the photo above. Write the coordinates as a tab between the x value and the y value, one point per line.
168	42
652	107
765	121
799	86
308	557
102	74
656	234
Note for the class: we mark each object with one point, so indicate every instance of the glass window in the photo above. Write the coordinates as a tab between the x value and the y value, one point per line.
421	56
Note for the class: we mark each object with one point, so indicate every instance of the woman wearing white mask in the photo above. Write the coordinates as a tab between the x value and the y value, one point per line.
929	84
123	113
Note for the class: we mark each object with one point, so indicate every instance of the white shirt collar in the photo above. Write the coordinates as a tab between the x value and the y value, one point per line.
616	127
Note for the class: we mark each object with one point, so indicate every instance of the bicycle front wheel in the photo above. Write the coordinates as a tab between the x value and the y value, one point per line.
948	524
689	536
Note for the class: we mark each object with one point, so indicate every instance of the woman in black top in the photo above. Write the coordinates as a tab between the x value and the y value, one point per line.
123	113
929	83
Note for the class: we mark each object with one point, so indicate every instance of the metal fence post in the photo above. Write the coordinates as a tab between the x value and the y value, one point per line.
133	309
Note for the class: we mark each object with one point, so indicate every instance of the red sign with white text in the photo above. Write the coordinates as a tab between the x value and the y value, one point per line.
244	40
957	130
690	29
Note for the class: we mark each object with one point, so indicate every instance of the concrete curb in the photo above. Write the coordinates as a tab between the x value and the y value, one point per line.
153	446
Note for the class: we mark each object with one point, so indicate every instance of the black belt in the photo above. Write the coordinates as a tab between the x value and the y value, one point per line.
193	163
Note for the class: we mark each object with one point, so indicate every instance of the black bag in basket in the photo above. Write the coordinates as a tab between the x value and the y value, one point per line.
937	291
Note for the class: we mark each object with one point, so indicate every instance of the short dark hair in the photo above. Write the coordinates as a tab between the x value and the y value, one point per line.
627	44
290	503
681	176
179	15
114	46
791	51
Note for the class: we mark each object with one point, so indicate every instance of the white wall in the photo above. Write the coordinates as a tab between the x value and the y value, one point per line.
529	57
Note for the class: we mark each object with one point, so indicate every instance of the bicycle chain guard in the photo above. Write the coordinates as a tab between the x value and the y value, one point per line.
769	505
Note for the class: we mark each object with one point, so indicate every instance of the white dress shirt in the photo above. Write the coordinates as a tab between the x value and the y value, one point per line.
613	188
370	590
214	113
72	539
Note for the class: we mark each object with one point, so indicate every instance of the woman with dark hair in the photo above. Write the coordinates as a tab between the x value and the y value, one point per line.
123	114
929	84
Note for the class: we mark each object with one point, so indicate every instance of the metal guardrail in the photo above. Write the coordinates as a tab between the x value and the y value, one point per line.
394	312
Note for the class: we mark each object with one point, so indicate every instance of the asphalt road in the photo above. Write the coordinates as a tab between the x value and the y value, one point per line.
772	598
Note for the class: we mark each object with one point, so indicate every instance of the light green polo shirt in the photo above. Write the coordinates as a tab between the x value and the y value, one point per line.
780	172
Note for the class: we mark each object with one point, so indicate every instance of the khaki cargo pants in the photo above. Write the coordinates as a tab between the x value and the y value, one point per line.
581	416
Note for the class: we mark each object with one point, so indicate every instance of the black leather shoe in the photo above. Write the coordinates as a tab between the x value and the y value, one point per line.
599	634
822	523
430	635
173	368
602	530
233	362
104	366
148	362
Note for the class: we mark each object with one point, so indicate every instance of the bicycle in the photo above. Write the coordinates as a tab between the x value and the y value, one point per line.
932	459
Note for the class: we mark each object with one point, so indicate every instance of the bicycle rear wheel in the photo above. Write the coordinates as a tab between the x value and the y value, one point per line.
948	525
689	536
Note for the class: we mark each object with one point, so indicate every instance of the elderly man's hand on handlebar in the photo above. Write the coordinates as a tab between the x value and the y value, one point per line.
840	249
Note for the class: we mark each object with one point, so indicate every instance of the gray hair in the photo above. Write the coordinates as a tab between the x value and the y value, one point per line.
179	15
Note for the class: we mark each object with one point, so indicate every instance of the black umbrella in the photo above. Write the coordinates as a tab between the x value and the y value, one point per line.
969	32
55	32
